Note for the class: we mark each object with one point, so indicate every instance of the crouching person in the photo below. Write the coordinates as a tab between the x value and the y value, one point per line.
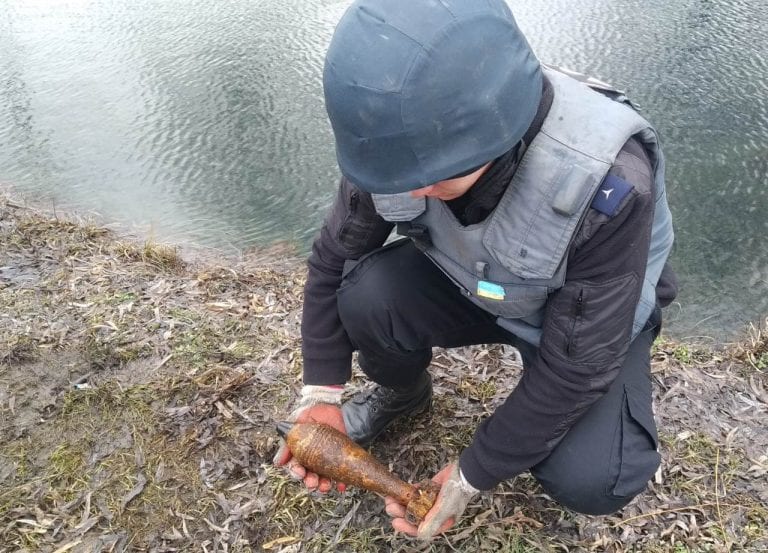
531	208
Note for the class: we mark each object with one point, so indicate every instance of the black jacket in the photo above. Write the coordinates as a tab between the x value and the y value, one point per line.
571	372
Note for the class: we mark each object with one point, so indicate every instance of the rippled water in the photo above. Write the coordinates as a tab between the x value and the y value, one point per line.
202	121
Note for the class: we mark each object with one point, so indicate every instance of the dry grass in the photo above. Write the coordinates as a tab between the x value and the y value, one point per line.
754	350
138	393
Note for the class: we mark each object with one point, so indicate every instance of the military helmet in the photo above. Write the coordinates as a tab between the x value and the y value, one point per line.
418	91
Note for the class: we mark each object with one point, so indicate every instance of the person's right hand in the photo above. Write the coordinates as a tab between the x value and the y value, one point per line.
321	412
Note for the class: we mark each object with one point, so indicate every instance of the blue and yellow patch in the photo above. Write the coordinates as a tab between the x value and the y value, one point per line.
490	290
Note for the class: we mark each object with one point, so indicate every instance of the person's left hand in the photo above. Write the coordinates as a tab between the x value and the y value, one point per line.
455	493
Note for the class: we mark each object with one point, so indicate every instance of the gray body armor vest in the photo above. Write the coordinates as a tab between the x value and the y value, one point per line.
509	263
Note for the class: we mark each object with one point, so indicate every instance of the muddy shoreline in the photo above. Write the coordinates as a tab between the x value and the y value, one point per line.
138	390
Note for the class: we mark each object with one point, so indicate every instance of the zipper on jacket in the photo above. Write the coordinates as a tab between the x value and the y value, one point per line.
577	314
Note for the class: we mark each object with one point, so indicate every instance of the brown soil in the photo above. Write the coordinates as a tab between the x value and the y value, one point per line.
139	390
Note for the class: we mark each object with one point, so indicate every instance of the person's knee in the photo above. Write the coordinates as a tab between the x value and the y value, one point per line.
589	498
375	308
595	491
358	302
365	309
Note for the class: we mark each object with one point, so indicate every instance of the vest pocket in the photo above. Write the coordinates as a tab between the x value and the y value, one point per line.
519	301
634	457
514	300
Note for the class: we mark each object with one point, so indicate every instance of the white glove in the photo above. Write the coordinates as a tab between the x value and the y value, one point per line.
310	396
455	494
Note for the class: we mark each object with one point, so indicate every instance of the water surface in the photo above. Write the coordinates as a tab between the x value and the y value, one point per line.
202	122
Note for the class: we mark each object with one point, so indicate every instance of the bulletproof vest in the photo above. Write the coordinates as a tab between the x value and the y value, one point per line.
509	263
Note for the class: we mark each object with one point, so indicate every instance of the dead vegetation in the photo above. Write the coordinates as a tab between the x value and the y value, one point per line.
138	394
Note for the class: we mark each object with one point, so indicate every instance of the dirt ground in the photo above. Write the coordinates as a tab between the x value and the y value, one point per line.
139	392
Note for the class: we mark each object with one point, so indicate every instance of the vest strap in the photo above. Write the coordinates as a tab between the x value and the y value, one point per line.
416	232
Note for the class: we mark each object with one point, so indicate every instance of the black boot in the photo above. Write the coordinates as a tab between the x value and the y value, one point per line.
369	413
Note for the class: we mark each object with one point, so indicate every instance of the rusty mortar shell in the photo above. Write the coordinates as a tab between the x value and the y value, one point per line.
332	454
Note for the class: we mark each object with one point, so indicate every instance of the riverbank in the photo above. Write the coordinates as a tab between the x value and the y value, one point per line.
139	390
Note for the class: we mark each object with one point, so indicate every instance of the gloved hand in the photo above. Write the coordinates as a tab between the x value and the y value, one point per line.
455	494
316	404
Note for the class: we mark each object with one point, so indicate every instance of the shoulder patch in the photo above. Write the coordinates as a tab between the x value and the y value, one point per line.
610	194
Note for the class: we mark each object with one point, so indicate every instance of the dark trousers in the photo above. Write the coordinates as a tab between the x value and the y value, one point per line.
396	305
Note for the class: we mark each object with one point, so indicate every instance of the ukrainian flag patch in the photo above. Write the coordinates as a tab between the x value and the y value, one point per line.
490	290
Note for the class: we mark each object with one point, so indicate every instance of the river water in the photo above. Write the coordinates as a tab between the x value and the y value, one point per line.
202	122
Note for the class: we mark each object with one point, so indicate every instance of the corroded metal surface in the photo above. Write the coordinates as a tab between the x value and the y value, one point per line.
330	453
424	498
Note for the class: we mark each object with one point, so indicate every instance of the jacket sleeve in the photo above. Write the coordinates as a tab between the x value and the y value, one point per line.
351	229
585	335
